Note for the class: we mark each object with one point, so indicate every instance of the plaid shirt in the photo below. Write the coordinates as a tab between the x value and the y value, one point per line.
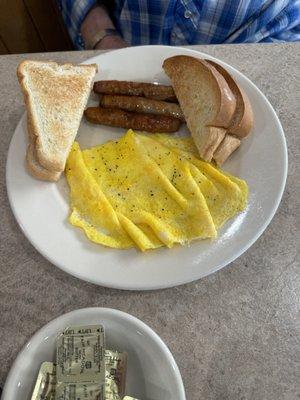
181	22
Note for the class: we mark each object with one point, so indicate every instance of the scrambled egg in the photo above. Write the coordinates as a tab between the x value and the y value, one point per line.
225	194
148	192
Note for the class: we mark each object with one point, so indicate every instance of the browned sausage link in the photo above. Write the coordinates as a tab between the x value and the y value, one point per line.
142	105
127	119
150	90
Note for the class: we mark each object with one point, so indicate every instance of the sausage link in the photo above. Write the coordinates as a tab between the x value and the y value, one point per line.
149	90
142	105
126	119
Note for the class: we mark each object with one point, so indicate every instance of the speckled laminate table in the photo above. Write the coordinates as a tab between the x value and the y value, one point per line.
234	333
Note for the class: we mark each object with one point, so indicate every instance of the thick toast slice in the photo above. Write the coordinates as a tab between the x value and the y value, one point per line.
55	97
205	99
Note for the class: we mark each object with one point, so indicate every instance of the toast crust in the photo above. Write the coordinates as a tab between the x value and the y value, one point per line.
36	170
245	125
242	120
51	161
32	164
227	99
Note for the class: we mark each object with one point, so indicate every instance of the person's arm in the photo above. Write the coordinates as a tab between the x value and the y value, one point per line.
96	21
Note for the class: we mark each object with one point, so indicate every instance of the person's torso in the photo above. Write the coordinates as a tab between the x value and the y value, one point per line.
179	22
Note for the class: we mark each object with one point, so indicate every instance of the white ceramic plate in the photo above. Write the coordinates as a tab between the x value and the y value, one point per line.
42	208
152	371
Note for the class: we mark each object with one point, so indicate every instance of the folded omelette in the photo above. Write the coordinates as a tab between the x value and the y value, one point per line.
149	191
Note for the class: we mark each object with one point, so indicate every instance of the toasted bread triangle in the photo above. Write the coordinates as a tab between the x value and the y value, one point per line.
55	97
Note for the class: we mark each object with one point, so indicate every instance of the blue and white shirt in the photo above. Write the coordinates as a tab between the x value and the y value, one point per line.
182	22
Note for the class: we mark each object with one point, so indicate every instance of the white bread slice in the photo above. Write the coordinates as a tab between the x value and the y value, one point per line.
55	97
205	99
242	120
36	169
227	146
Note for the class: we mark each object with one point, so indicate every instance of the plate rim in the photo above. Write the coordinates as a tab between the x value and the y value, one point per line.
219	266
112	311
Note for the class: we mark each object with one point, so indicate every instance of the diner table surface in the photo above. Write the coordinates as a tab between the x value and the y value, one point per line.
234	334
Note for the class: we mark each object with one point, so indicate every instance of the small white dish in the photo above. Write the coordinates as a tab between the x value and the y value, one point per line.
42	208
152	371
